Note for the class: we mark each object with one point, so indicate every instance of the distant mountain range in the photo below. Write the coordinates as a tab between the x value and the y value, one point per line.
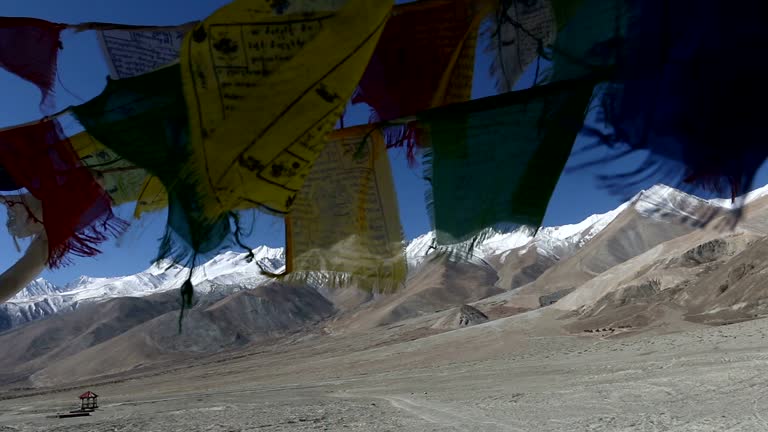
640	265
551	244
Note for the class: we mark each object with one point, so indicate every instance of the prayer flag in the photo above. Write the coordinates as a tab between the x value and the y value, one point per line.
29	48
590	43
135	52
345	222
144	120
521	32
425	59
121	179
152	197
564	10
25	215
678	98
497	160
264	90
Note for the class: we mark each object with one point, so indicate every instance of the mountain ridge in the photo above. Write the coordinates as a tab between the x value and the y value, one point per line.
42	298
625	267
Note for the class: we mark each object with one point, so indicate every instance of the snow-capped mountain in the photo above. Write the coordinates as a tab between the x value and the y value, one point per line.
38	288
552	241
41	298
17	312
559	241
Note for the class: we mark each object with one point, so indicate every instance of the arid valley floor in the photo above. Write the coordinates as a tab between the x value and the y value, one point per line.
514	374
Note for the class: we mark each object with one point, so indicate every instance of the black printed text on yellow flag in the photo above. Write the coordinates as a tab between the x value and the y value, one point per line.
344	227
263	92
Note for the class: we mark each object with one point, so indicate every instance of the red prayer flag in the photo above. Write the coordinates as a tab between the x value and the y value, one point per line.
77	213
425	58
29	48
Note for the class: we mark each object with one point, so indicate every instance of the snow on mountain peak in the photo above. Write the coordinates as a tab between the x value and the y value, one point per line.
548	240
747	198
554	241
234	268
593	224
662	198
499	241
37	288
418	249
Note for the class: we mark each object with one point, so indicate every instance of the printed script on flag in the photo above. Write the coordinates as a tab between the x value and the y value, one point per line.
345	222
265	89
136	52
517	45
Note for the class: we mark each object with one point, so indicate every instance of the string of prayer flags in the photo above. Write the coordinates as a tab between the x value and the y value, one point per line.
76	212
264	90
345	223
135	52
497	160
144	120
29	48
579	37
425	58
519	35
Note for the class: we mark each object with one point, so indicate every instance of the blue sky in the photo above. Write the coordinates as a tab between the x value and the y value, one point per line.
82	71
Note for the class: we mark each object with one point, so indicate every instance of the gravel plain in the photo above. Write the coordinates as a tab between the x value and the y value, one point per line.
522	373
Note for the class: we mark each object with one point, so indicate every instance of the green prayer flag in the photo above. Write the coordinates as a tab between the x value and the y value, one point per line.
144	120
497	160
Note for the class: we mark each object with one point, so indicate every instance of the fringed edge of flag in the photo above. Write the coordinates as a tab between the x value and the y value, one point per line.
462	249
662	170
176	249
656	166
332	280
465	249
84	243
409	135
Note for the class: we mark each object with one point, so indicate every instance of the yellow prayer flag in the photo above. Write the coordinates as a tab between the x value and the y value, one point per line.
152	197
263	91
120	179
345	222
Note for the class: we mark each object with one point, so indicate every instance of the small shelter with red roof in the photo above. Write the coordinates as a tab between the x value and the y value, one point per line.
88	401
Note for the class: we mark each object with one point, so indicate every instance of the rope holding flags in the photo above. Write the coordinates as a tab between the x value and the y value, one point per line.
439	36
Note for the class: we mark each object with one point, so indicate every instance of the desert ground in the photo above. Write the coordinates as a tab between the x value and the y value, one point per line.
521	373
